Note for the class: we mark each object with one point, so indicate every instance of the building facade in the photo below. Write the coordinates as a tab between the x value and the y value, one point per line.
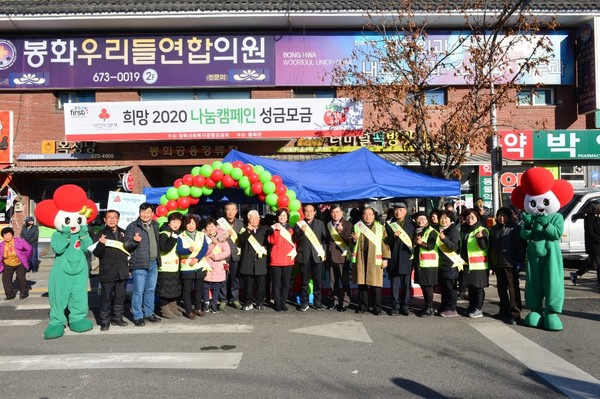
149	60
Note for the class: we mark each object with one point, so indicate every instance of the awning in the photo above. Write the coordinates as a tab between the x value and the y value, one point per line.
65	169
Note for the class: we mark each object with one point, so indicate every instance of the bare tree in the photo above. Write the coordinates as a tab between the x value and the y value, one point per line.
397	44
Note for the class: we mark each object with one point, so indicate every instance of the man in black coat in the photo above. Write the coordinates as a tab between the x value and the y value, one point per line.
339	248
31	234
400	232
114	270
310	235
253	261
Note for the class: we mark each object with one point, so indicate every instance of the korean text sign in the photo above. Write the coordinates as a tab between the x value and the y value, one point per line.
212	119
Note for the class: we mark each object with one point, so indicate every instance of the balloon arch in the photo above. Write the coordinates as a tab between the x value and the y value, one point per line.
254	180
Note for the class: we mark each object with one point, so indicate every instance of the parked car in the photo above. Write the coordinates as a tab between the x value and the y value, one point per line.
572	244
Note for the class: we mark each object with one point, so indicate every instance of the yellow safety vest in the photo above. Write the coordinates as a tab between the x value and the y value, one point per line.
477	257
428	258
169	261
198	242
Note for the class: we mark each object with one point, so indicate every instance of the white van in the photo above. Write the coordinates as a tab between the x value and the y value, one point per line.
572	243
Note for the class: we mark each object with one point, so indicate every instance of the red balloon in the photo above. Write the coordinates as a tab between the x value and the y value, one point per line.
171	205
301	214
280	189
210	183
194	201
183	202
228	181
161	210
188	180
276	179
261	196
178	183
253	177
199	181
237	164
247	169
283	201
216	175
236	184
257	187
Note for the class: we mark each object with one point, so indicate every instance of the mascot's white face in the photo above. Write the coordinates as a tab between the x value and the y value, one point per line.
72	219
544	204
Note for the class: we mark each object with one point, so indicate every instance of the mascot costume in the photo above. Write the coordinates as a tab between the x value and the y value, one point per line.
68	212
540	196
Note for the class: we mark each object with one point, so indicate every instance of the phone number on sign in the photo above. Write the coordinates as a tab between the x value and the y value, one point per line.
119	77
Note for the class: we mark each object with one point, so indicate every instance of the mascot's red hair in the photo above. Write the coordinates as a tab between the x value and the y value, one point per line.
69	212
541	196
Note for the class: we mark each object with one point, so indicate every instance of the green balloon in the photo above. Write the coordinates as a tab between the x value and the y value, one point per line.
217	164
291	194
271	199
248	191
294	205
195	170
258	169
236	174
264	176
162	220
184	190
163	199
207	191
195	192
294	217
269	188
244	182
184	211
274	208
220	186
172	193
206	170
227	167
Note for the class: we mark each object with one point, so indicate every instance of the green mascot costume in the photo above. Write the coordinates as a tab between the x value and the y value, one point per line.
69	212
540	196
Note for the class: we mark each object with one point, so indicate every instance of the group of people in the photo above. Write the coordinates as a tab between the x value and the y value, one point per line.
204	263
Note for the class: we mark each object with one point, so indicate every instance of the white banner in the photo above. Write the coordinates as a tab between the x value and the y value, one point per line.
127	204
213	119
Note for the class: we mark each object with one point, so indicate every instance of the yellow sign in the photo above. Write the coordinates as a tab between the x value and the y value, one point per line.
375	142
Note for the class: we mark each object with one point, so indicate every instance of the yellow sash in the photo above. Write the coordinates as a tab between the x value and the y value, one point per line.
288	237
197	242
403	235
337	238
224	224
117	245
312	238
457	260
259	249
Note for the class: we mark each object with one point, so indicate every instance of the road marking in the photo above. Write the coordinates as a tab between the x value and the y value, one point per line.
349	330
17	323
33	306
172	328
160	360
570	380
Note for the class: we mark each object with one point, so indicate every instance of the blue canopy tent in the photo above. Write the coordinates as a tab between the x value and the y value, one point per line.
356	175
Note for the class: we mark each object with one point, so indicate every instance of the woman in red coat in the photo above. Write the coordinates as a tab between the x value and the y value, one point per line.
282	254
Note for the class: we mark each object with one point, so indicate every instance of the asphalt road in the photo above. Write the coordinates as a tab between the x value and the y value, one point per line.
295	354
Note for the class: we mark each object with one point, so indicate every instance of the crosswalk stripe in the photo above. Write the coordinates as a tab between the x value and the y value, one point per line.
570	380
173	328
17	323
33	306
159	360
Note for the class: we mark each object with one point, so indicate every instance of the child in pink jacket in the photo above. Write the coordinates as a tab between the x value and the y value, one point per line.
218	252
